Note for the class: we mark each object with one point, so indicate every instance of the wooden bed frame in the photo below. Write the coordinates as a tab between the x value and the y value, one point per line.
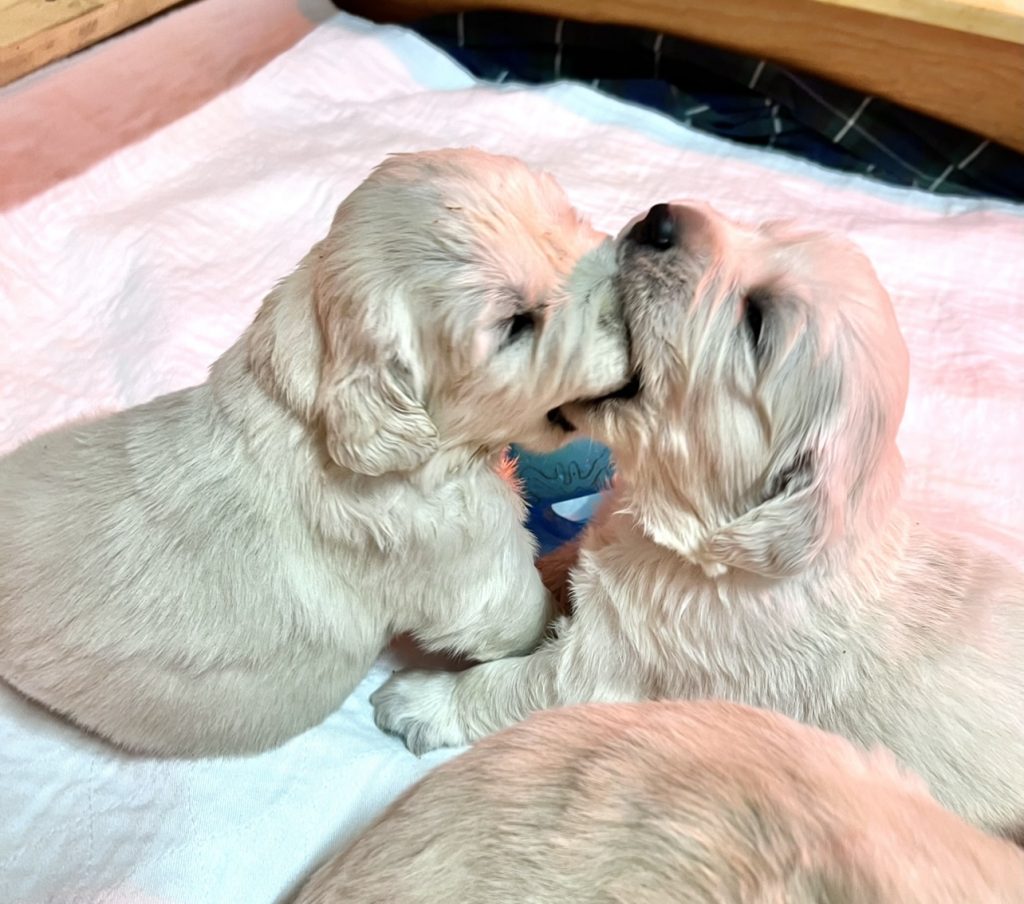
958	60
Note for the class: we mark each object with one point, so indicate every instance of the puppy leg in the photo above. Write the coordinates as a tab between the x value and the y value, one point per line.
445	709
430	709
492	627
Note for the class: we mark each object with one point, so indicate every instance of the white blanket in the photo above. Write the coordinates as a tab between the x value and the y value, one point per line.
128	280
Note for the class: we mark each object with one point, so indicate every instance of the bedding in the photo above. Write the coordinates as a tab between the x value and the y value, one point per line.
128	279
727	93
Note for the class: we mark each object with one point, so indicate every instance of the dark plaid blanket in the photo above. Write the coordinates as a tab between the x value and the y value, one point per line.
734	96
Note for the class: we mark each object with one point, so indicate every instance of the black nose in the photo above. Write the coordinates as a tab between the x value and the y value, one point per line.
657	229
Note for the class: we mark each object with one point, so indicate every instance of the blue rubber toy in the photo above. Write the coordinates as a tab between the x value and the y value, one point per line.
562	488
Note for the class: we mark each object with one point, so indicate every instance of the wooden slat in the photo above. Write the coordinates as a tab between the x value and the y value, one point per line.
36	32
965	75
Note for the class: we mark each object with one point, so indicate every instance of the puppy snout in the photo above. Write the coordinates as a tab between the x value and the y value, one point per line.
686	226
657	230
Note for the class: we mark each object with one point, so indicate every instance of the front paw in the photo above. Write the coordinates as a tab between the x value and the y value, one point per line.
419	707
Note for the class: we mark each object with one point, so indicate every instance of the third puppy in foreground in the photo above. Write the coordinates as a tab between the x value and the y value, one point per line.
689	803
756	548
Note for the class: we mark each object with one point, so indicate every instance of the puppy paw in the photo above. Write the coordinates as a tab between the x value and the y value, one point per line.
419	707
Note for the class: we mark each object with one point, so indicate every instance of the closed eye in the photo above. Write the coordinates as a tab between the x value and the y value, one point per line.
518	326
753	318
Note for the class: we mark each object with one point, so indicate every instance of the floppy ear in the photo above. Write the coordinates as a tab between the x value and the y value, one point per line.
373	421
781	535
312	350
368	399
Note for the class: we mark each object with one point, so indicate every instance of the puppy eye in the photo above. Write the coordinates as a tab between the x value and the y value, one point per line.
518	326
753	317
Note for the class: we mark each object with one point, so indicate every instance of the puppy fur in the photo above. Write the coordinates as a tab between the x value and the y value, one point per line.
650	803
214	571
755	548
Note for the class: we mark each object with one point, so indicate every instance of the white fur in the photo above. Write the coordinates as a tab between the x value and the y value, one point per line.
755	548
214	571
650	803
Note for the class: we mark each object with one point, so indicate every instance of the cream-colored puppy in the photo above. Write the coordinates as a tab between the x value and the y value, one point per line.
755	548
651	803
214	571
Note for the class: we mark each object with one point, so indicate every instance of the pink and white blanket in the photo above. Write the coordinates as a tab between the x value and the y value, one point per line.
128	279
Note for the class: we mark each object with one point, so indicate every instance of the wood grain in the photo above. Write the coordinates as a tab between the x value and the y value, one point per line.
36	32
970	74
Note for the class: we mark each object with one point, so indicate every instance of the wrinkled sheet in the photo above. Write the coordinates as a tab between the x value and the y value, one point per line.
128	280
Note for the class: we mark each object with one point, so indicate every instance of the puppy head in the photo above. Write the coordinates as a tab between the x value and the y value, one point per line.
456	301
772	380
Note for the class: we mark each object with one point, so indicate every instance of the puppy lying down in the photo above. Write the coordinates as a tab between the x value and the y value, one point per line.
710	803
755	548
214	571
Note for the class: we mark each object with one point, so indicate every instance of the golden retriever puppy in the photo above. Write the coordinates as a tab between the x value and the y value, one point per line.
214	571
755	548
651	803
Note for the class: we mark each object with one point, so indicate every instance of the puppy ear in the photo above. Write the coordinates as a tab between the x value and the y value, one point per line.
781	535
370	397
311	348
373	421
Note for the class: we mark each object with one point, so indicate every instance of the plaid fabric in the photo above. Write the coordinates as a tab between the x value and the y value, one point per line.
734	96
